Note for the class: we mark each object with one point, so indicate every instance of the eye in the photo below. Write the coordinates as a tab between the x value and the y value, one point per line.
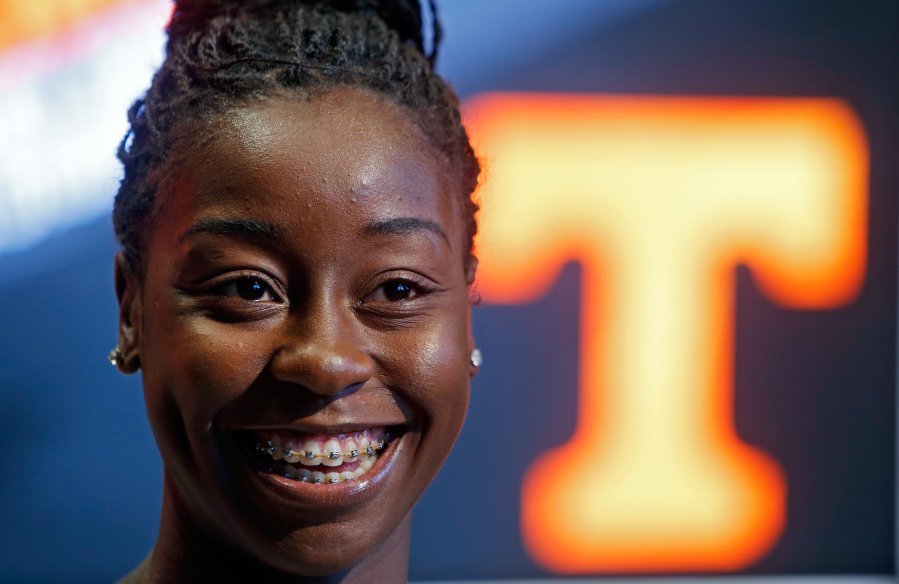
249	288
396	290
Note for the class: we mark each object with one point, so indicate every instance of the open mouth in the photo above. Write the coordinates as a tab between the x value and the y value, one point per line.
319	458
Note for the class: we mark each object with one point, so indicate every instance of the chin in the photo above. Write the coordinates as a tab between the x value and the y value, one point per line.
296	526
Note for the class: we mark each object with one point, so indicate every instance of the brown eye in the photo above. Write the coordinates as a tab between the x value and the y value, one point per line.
249	288
398	290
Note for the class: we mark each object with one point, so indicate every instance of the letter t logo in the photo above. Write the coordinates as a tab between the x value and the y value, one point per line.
660	199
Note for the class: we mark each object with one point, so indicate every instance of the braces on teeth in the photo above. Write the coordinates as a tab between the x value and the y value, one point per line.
269	448
366	457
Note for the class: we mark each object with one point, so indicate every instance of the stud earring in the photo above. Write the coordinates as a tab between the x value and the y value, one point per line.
115	356
476	358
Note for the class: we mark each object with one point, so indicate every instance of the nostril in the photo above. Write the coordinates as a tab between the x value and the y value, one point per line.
351	388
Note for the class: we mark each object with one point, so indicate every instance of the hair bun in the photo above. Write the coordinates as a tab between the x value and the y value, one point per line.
190	15
402	16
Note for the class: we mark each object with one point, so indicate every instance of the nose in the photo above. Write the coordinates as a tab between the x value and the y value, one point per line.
322	354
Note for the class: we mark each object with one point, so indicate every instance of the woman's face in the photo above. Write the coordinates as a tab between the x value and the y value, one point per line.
304	293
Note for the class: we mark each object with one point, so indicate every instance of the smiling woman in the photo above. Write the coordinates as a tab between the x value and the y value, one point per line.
297	227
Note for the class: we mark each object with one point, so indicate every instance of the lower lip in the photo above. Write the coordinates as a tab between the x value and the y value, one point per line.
328	495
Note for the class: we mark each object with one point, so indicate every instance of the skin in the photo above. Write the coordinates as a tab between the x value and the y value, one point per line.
351	317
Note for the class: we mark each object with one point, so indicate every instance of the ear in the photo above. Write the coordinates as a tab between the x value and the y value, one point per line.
472	346
127	289
471	270
473	299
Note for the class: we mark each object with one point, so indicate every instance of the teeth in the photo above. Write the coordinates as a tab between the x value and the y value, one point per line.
273	447
311	452
359	450
305	475
333	453
351	450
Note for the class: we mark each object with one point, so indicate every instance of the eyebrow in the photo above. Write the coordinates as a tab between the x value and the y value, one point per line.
404	226
240	228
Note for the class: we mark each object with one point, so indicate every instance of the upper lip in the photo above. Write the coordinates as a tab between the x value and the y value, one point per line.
348	414
311	428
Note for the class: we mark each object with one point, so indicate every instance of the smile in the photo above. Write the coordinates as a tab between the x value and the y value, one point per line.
339	457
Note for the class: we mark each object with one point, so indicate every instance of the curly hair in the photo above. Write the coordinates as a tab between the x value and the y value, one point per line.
223	54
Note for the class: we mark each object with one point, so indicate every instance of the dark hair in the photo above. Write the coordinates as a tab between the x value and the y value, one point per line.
222	54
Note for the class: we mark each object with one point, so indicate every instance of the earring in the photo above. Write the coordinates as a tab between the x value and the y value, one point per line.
476	358
115	356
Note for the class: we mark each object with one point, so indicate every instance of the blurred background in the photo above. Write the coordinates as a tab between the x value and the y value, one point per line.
735	158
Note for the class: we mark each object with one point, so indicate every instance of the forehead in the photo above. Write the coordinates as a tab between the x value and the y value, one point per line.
294	161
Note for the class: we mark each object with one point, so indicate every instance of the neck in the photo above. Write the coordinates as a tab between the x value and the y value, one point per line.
187	551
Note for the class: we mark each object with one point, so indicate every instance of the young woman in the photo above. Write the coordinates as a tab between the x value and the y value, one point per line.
296	226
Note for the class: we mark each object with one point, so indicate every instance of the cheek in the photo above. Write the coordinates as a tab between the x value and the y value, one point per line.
196	367
436	375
